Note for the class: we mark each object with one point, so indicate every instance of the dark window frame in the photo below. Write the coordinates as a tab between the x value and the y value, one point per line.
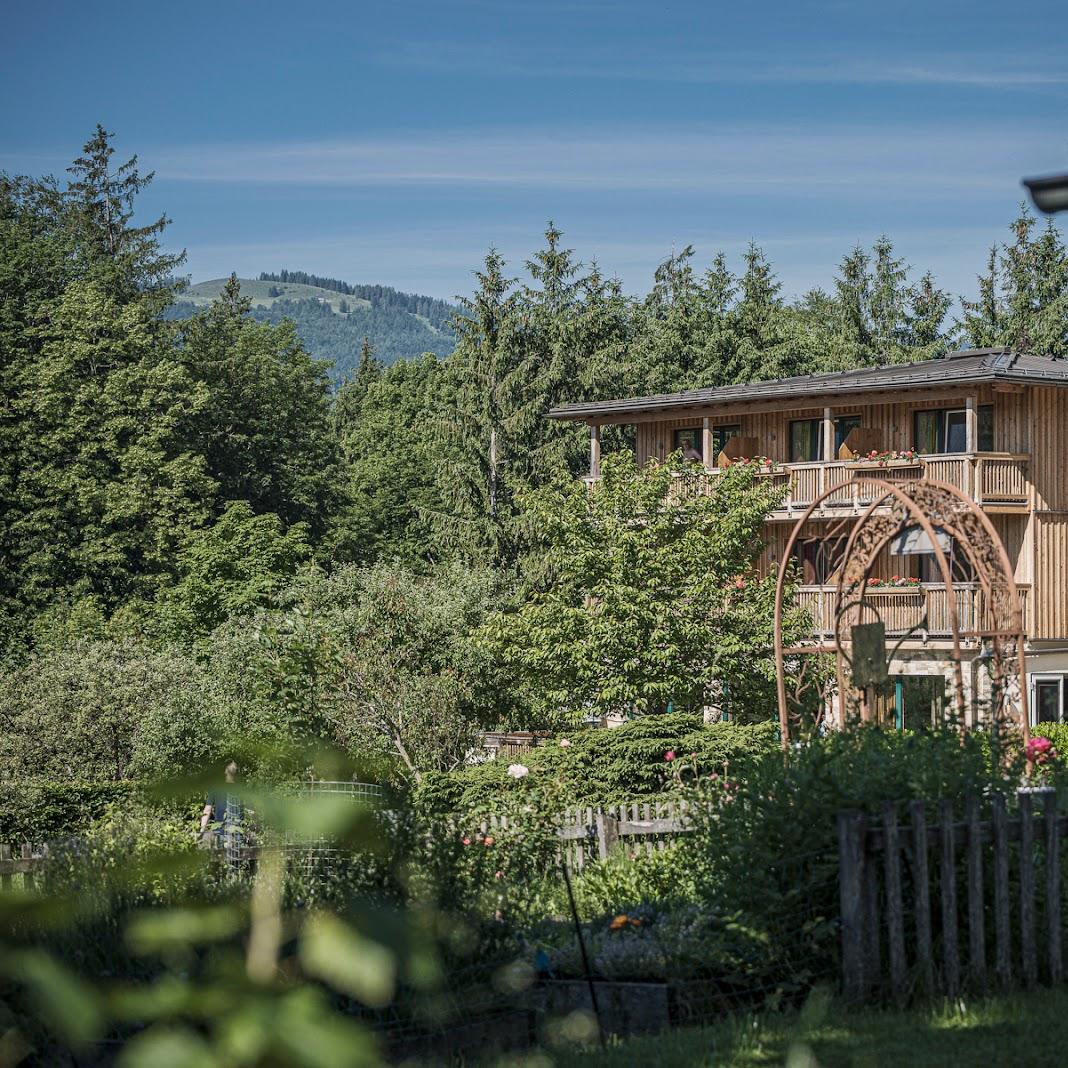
698	441
984	420
816	438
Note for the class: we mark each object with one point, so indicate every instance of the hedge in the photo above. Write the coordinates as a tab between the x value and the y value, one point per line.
47	812
601	766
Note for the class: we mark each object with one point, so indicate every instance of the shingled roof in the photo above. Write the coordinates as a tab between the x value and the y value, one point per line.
969	367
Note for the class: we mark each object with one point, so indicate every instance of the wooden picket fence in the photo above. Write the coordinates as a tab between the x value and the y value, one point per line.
592	833
23	861
904	886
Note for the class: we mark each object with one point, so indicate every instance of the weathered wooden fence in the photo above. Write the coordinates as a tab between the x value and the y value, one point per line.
591	833
909	884
21	861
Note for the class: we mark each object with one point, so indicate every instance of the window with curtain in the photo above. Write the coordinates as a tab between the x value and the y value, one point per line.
945	429
806	440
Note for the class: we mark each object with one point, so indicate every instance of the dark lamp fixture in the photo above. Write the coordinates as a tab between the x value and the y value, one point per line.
1050	193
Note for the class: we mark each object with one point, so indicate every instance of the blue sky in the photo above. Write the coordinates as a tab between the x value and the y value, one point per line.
395	142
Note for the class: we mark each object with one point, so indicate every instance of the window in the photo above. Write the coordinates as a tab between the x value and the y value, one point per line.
842	426
818	559
985	427
806	440
946	429
1048	696
722	434
687	439
960	567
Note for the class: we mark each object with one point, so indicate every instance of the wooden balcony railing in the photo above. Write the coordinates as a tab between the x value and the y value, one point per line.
902	608
995	479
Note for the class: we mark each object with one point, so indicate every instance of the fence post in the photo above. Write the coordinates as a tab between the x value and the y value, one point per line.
976	919
895	915
1002	930
851	833
607	833
950	956
1028	956
1053	886
27	854
922	887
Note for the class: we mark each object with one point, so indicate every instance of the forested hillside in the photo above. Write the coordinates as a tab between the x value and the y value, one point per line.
191	518
333	317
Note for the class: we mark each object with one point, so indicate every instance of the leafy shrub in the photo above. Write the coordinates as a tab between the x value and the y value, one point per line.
606	766
49	811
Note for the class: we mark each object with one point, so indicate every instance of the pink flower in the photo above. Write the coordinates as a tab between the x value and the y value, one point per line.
488	840
517	771
564	743
739	583
669	755
498	875
1040	750
467	841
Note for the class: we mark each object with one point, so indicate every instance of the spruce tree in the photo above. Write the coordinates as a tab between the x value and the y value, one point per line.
1023	297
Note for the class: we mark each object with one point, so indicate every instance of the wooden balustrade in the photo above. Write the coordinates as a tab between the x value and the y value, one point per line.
903	607
995	479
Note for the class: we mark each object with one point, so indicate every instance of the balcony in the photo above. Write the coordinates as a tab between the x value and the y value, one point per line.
995	480
905	608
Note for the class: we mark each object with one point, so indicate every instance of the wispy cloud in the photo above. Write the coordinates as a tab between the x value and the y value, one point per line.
504	59
760	159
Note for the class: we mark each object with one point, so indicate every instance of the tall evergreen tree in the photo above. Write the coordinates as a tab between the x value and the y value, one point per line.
265	428
101	201
1023	297
478	434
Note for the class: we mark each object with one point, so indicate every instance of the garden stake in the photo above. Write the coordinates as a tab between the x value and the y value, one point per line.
582	950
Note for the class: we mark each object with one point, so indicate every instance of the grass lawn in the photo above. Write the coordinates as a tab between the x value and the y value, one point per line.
1021	1030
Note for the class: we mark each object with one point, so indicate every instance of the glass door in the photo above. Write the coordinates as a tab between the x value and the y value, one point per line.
956	432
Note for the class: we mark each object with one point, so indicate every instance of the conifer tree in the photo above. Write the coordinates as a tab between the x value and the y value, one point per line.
1023	297
102	201
478	434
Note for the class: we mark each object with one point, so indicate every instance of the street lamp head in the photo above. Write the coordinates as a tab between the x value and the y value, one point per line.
1050	193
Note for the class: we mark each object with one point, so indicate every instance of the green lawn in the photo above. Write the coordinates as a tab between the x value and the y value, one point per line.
1021	1030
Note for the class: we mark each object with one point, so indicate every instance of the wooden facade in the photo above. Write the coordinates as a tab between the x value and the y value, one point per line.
1014	464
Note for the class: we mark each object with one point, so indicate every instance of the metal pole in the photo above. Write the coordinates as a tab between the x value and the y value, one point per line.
582	951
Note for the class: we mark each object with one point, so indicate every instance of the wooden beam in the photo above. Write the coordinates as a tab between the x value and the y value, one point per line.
706	443
971	425
595	450
828	436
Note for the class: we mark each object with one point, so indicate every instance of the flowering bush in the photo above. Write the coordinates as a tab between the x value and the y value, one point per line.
760	462
884	459
1042	757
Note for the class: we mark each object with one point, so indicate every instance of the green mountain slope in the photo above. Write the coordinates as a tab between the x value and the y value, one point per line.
333	318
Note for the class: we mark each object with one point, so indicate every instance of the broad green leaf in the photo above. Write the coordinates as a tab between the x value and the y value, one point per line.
331	950
165	1047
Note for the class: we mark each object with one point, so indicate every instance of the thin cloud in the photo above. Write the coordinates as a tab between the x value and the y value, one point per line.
755	159
501	59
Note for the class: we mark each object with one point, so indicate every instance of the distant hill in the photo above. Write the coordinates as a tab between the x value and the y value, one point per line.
334	317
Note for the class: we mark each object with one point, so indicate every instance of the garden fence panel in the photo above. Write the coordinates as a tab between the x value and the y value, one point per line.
995	873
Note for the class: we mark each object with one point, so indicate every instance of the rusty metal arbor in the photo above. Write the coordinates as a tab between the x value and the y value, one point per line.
933	508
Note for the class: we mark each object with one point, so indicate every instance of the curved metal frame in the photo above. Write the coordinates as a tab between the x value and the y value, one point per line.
913	503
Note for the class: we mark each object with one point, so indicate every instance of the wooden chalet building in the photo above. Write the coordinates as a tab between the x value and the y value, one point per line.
989	421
